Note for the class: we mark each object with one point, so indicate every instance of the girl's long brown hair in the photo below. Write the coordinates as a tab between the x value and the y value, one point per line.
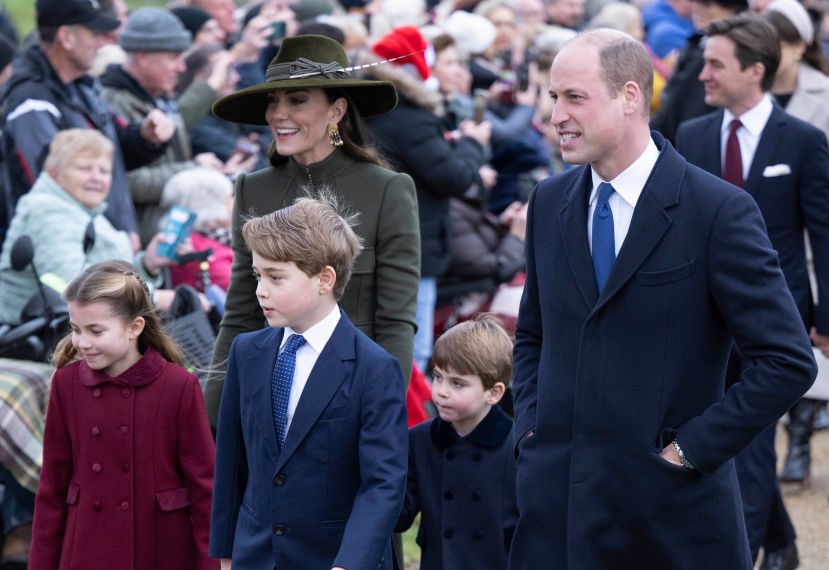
119	285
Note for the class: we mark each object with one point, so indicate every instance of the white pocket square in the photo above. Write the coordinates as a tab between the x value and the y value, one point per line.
776	170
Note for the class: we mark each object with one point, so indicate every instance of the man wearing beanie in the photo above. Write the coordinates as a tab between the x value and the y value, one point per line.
51	90
154	40
201	25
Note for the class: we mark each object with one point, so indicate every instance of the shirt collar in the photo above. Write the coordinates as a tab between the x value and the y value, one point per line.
631	181
754	120
317	335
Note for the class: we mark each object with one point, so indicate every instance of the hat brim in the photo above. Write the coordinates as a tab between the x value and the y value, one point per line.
248	105
102	23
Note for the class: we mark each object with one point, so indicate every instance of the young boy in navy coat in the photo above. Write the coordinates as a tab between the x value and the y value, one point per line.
461	464
311	444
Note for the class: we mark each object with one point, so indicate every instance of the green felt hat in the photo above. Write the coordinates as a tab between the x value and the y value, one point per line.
304	62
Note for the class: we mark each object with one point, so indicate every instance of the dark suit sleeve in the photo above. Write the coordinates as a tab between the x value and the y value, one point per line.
813	185
231	466
752	296
528	334
383	448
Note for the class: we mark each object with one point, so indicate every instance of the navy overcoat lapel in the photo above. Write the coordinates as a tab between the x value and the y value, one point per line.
573	219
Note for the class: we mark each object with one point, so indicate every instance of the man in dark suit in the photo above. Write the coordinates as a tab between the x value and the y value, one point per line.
783	163
626	433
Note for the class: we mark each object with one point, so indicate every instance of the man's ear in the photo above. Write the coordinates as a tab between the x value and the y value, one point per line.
633	97
328	278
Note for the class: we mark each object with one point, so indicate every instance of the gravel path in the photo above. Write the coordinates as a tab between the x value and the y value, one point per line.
808	505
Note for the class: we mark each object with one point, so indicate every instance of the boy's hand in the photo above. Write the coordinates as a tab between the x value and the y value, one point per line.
225	563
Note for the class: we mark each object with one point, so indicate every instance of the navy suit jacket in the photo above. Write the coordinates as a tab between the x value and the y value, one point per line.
606	381
333	495
789	179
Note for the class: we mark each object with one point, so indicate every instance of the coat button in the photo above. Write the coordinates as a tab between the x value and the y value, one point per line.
279	529
125	468
97	506
448	495
124	430
96	467
124	505
96	392
478	535
280	479
477	496
125	392
448	533
96	431
450	455
476	456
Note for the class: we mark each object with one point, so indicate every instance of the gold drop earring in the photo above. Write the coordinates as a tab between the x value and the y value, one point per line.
334	135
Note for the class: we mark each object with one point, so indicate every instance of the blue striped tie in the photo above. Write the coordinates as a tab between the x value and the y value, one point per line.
283	377
604	243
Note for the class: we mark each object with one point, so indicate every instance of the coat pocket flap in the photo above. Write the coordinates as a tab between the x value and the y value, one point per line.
72	494
651	278
173	499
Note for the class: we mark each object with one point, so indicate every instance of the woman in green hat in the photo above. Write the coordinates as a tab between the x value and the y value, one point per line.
315	110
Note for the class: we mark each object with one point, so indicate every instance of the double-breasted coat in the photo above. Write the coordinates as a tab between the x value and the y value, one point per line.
464	490
127	471
603	382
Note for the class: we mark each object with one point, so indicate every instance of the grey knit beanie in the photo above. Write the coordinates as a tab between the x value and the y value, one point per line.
154	29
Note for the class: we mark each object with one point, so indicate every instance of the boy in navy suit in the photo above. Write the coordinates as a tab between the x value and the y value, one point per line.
461	464
311	442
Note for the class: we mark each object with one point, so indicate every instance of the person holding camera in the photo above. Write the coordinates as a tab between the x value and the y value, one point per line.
155	41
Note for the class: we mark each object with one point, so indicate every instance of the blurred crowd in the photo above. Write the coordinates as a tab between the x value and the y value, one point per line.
130	93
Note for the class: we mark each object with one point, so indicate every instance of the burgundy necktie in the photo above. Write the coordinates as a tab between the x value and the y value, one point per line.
733	170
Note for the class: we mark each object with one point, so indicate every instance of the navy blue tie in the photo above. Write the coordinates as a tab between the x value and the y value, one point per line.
604	242
283	377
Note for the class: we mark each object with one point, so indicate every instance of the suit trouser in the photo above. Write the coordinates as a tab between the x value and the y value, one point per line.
767	521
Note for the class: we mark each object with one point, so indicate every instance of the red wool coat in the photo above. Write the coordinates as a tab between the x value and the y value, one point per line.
127	471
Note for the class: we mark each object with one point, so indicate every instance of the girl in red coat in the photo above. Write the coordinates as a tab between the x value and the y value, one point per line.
127	453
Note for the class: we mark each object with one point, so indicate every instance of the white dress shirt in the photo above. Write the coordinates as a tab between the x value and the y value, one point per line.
316	337
754	121
628	187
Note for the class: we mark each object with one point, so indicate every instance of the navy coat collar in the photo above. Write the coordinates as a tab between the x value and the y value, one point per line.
491	432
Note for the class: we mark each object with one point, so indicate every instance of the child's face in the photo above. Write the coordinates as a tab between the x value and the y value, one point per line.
461	398
103	339
288	297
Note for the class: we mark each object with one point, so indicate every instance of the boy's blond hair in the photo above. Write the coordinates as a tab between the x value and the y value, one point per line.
69	144
480	347
311	234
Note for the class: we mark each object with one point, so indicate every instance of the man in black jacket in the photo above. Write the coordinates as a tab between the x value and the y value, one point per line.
50	90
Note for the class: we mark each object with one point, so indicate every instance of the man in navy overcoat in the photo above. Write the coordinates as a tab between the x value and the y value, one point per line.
626	434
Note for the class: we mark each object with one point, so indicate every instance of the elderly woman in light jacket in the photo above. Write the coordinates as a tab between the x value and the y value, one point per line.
70	192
